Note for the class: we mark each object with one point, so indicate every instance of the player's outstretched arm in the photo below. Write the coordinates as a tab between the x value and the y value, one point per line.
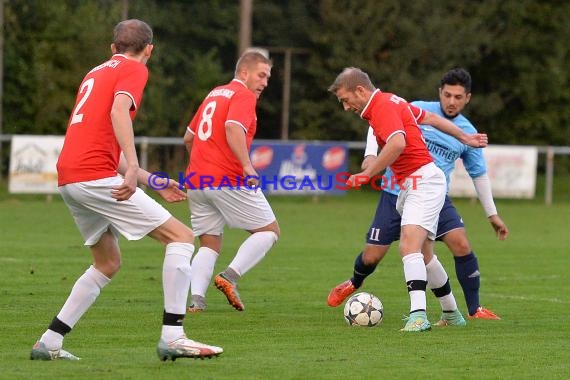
167	188
172	193
393	148
484	193
476	140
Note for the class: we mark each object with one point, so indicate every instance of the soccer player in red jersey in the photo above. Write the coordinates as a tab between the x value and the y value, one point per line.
221	180
395	125
454	95
98	145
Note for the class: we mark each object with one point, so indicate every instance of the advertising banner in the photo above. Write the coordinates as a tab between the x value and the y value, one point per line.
301	168
32	164
511	169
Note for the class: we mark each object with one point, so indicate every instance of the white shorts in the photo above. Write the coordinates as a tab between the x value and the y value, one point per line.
95	211
212	209
420	203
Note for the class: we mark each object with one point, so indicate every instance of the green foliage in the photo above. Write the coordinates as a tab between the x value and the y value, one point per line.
194	41
516	51
525	73
405	47
49	47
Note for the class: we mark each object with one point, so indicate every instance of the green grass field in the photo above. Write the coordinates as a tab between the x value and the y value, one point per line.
287	330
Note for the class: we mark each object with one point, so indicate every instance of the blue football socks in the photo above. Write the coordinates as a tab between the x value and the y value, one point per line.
361	271
467	270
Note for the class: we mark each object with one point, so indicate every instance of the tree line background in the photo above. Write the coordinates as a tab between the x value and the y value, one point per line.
516	50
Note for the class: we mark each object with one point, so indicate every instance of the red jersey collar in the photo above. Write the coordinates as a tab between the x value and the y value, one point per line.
239	81
362	114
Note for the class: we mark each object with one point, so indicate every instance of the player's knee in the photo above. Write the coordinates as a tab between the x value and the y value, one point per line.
115	265
180	237
370	260
181	232
186	235
277	231
275	236
109	266
460	247
173	231
272	227
372	254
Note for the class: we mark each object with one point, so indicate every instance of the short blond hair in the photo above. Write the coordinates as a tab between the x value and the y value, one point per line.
350	78
249	59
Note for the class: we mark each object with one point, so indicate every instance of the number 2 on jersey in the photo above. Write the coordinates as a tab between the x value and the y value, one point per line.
205	126
86	89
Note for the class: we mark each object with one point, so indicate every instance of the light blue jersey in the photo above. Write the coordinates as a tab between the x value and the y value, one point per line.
446	149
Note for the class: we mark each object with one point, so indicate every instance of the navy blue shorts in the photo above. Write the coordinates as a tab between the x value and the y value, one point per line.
385	228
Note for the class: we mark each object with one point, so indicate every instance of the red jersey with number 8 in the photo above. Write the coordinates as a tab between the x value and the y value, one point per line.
388	114
91	150
212	162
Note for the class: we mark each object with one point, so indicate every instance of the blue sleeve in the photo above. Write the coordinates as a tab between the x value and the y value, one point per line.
473	158
388	183
474	162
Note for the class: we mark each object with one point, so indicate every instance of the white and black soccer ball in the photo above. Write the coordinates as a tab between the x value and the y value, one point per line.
363	309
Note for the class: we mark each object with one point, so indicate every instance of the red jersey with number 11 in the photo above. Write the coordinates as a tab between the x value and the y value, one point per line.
90	150
212	161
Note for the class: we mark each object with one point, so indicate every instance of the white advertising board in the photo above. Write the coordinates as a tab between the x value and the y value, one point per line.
511	169
32	164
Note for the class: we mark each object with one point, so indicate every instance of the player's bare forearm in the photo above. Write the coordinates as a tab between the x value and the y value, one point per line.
476	140
188	141
368	160
126	189
374	165
389	153
172	193
443	125
142	174
123	129
235	136
167	188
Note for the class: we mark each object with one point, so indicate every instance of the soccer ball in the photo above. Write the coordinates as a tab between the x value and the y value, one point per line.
363	309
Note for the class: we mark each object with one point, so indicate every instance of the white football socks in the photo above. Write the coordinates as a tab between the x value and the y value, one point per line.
83	294
415	269
437	277
202	270
252	250
176	274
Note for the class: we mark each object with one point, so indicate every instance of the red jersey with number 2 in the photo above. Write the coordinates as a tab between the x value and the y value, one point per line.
90	150
388	114
212	162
